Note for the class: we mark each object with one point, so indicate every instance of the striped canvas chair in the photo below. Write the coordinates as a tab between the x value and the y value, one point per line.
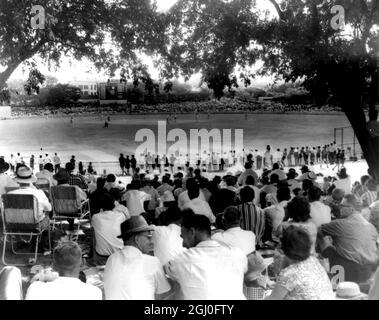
66	205
19	211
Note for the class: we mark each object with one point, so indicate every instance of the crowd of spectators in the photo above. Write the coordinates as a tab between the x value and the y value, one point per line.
181	235
225	105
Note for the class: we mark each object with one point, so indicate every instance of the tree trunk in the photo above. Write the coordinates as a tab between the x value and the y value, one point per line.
4	76
347	86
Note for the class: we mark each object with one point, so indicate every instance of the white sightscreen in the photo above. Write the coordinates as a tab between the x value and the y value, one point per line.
5	112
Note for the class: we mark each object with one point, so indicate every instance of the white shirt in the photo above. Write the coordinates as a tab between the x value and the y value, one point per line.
237	238
132	275
107	228
43	202
200	207
6	181
320	213
135	200
46	174
168	243
210	271
63	288
344	184
276	215
184	198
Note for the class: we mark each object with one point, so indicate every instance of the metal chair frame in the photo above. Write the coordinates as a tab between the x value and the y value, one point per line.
31	234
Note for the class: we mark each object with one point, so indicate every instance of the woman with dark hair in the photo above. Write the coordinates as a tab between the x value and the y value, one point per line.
304	278
299	215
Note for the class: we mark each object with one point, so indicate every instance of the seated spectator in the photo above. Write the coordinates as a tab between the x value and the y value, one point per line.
354	244
196	204
131	273
165	186
374	215
183	197
299	215
47	174
250	182
304	278
106	225
96	195
275	214
63	178
25	179
168	201
334	202
178	188
291	179
371	195
67	260
267	189
111	183
234	236
248	172
75	179
5	179
320	213
279	172
223	198
216	272
135	199
252	217
167	241
154	196
344	181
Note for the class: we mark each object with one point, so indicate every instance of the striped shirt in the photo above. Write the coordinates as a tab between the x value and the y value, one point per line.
369	197
252	219
77	180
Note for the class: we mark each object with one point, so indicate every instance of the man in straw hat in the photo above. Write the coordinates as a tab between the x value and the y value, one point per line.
131	273
5	180
207	270
25	178
354	242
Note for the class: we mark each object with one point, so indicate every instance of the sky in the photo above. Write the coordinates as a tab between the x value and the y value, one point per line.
73	70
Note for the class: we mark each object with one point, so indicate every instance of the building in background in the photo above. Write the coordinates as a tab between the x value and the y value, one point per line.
89	89
112	91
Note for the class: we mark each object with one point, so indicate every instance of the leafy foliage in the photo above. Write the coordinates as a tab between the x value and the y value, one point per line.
35	79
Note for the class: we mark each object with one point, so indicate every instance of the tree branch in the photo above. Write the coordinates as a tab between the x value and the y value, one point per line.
278	10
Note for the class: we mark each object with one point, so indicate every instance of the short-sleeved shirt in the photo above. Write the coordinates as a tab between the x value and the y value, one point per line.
306	280
63	288
320	213
107	229
354	238
131	275
135	201
168	243
210	271
238	238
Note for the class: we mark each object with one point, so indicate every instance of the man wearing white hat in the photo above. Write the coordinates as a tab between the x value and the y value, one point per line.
25	179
